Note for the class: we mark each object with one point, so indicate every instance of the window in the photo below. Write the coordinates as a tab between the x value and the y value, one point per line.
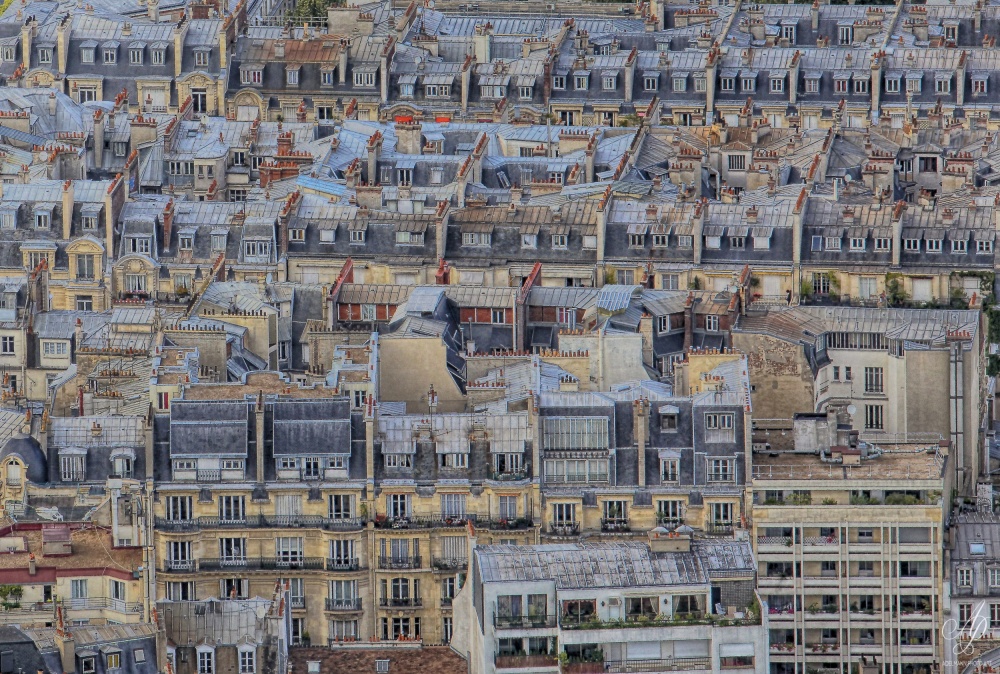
529	240
135	56
364	79
609	82
341	506
873	417
748	84
832	243
719	427
722	514
860	86
110	54
821	283
964	614
700	84
993	577
289	549
942	86
857	244
669	470
43	220
456	460
685	241
54	348
559	240
927	164
508	507
883	245
580	82
840	85
292	76
157	56
712	323
206	662
87	55
248	662
959	246
232	550
984	246
201	58
45	55
980	85
398	505
178	508
79	589
721	470
788	33
672	511
846	34
911	244
934	245
564	513
114	660
964	577
453	505
873	380
559	82
892	85
737	162
232	508
649	83
680	83
7	345
398	461
252	76
994	616
727	84
777	85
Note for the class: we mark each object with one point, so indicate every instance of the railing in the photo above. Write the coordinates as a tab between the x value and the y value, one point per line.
400	602
13	481
569	529
510	477
614	524
423	522
313	563
342	564
820	540
446	602
186	565
298	602
719	529
667	521
208	475
524	661
262	521
513	523
399	562
450	563
505	622
353	604
102	603
265	563
568	622
630	666
774	540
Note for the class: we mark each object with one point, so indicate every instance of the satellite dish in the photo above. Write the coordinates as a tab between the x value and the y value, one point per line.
851	409
848	179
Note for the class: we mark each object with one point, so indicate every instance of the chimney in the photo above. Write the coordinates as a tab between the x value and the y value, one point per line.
65	643
168	224
408	138
689	322
32	563
153	10
285	143
67	209
52	103
279	49
342	61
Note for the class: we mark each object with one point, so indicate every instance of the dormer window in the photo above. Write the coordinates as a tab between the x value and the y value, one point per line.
912	245
110	55
841	85
942	83
748	83
700	84
812	84
327	77
883	245
256	248
788	33
158	56
650	83
659	241
559	241
559	82
357	236
219	241
581	82
778	85
857	245
201	57
404	177
186	242
137	244
892	85
984	247
477	238
8	54
727	84
529	241
959	246
364	79
135	56
292	75
251	75
980	84
951	33
410	238
524	93
87	54
914	83
860	85
43	218
8	217
934	245
832	243
45	55
609	82
846	34
636	240
680	83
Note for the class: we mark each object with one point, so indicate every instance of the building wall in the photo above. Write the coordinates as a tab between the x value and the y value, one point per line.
781	377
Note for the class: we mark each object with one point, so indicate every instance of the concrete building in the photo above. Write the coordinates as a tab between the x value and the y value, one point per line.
669	604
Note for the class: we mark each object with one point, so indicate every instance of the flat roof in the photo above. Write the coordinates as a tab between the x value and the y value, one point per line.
906	462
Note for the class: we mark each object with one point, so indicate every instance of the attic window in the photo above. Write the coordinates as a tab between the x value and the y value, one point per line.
135	56
87	55
8	54
610	82
251	76
218	242
437	175
529	240
201	57
110	55
381	667
312	667
158	56
892	85
364	79
977	548
87	665
357	236
45	55
186	242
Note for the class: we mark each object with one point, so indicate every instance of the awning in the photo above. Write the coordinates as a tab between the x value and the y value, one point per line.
738	230
944	77
405	163
495	80
439	79
670	409
714	231
433	136
981	235
735	650
669	454
638	228
813	74
408	79
762	232
660	229
366	68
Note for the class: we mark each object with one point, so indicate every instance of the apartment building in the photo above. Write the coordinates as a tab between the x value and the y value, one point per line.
671	603
848	537
874	361
241	507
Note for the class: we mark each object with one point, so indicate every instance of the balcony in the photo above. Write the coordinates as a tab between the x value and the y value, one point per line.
382	522
399	562
514	622
450	563
570	622
13	481
446	602
615	525
583	667
400	602
179	565
262	521
719	529
353	604
525	661
820	540
668	521
261	563
660	665
509	476
307	563
298	602
208	475
506	524
565	529
102	604
342	564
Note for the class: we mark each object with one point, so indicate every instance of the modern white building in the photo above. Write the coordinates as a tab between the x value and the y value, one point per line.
674	604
